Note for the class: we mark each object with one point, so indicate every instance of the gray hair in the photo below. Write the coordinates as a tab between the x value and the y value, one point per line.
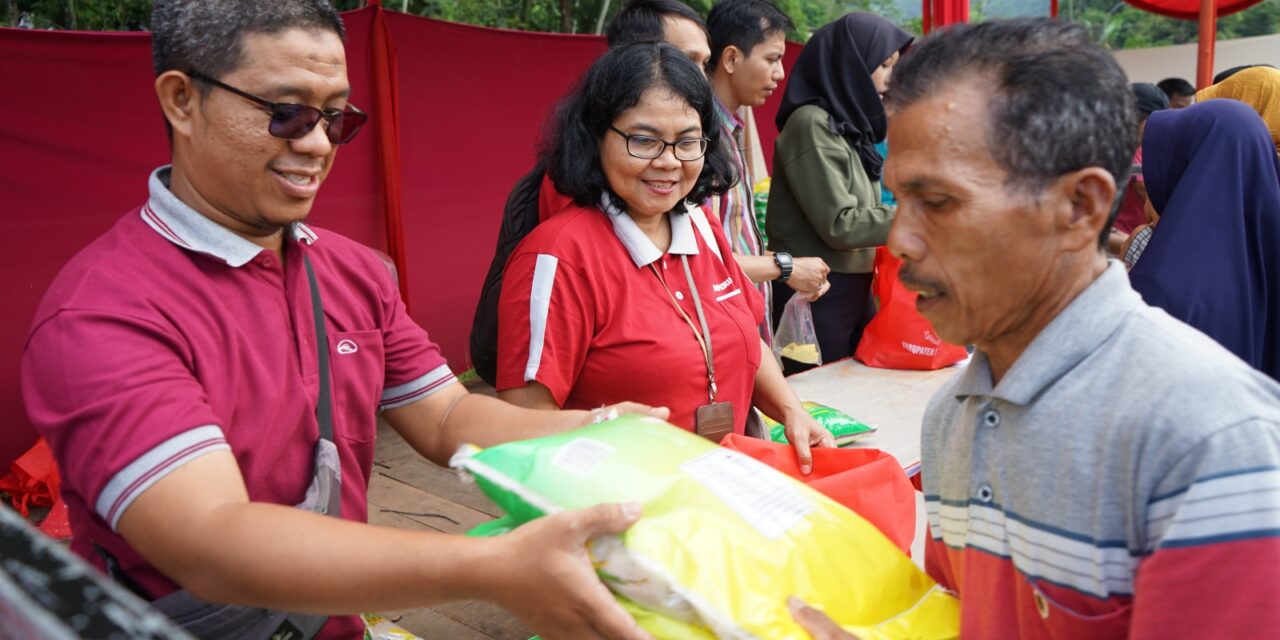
1059	103
208	34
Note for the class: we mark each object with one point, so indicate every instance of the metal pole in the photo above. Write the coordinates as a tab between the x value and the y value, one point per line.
926	17
1208	38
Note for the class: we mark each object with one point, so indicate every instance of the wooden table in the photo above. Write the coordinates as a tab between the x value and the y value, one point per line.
409	492
893	401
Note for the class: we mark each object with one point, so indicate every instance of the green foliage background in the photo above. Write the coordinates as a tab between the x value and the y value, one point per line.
1112	22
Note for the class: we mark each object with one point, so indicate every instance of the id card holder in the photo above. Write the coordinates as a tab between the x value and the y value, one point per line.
714	421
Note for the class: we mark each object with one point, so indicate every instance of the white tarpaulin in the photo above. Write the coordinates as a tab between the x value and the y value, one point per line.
1154	65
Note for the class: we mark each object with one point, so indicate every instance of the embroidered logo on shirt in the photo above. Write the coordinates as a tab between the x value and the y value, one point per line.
722	285
346	347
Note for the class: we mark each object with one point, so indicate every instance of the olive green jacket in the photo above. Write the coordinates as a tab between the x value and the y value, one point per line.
821	202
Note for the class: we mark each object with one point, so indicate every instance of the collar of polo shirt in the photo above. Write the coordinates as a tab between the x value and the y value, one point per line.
642	250
1069	338
185	227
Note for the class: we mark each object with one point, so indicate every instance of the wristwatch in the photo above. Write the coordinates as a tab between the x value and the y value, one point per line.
785	264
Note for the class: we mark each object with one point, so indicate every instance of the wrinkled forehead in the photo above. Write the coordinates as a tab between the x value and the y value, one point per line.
943	137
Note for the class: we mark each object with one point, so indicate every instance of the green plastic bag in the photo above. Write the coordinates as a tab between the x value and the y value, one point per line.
760	204
723	539
840	424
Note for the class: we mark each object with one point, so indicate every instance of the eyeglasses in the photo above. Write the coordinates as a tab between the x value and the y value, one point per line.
292	121
649	147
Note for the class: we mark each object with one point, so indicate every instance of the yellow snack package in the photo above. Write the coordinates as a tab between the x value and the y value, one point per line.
723	541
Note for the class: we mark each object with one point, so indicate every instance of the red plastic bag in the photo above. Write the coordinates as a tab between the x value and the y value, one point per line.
898	337
33	481
868	481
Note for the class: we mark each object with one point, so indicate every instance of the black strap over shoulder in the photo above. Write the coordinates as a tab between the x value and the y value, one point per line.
324	406
519	218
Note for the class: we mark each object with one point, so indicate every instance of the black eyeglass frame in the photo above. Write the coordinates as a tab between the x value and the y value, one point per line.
283	112
706	145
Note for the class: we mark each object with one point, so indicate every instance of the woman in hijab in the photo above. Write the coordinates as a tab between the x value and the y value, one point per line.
1258	87
1148	99
825	199
1214	262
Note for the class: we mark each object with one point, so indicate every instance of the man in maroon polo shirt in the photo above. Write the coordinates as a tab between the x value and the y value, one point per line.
173	368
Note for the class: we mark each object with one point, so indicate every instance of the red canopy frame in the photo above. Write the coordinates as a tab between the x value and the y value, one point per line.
940	13
1190	9
1206	12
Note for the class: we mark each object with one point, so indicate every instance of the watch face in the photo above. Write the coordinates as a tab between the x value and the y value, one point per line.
783	260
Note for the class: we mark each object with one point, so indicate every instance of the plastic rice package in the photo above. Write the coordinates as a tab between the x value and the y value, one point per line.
723	539
796	337
377	627
841	425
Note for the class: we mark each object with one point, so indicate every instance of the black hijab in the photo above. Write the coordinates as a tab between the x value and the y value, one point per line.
834	73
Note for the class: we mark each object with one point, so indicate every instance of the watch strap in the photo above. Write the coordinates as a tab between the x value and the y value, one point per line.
785	264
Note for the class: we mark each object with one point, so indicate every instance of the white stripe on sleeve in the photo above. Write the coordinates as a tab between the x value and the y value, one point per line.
544	277
161	460
417	389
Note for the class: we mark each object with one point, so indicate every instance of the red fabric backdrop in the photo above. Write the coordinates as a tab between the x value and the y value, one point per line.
1190	9
80	131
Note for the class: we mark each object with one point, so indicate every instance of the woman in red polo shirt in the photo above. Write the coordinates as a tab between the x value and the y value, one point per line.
631	293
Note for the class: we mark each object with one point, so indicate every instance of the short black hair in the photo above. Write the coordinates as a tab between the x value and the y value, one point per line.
642	21
615	83
208	35
743	24
1059	102
1148	99
1176	87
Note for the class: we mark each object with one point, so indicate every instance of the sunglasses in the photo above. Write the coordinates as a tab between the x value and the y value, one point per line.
292	121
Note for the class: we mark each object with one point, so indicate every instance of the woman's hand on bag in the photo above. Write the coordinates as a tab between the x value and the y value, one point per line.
817	623
614	410
803	432
809	277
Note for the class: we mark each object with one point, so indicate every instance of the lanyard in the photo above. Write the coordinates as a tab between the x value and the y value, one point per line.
704	336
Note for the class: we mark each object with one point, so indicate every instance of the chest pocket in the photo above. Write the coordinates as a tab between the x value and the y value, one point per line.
359	367
1062	622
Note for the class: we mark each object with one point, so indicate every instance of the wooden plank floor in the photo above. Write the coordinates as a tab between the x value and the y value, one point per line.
409	492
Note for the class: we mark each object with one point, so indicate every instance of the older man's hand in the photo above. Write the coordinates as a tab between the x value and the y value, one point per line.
816	622
614	410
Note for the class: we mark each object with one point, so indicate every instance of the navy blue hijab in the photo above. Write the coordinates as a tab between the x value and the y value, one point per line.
1214	258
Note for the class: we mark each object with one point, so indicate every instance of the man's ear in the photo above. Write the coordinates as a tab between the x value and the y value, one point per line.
730	58
178	100
1087	196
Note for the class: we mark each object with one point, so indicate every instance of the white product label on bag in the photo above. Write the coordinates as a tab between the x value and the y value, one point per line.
764	498
580	457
